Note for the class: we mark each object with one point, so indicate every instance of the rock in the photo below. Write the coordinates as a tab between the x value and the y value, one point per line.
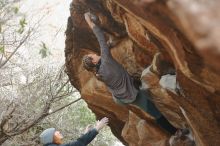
146	132
185	32
168	82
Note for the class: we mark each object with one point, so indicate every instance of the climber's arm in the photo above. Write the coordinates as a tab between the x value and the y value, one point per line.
105	52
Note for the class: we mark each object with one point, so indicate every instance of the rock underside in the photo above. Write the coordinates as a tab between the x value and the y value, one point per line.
186	32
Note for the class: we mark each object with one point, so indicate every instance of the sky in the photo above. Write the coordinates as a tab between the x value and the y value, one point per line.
52	15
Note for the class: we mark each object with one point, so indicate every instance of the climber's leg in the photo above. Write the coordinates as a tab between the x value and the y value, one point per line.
164	123
143	100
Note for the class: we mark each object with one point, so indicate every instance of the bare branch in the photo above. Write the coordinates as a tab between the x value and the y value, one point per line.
31	123
61	88
42	115
7	117
16	49
65	106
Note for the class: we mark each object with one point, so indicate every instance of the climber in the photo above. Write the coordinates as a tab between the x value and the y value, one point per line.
51	137
117	79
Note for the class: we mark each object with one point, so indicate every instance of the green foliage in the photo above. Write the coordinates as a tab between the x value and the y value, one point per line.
86	116
44	51
2	49
16	9
22	24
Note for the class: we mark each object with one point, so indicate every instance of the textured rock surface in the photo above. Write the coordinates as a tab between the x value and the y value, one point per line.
186	32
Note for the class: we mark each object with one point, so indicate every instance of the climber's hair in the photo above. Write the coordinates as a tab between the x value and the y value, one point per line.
87	63
89	66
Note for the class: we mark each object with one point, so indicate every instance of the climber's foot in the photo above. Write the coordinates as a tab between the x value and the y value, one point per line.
182	136
183	132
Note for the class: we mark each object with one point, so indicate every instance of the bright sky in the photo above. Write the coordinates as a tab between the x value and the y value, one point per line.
54	15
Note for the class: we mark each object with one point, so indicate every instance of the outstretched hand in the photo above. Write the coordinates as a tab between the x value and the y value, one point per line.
102	123
88	18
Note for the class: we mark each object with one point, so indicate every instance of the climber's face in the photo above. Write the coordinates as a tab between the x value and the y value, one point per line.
58	137
95	58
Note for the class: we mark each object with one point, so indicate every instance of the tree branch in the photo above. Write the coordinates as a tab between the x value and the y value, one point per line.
16	49
65	106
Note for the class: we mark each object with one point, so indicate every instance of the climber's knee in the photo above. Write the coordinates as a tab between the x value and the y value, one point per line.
118	101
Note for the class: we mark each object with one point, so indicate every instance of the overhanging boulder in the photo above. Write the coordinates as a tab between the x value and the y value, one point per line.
185	32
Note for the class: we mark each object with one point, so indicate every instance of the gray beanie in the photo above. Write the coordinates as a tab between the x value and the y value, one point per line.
47	136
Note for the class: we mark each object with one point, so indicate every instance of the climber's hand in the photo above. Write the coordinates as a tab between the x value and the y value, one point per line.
89	19
102	123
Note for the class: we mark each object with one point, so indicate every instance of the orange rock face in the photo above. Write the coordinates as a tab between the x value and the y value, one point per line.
185	32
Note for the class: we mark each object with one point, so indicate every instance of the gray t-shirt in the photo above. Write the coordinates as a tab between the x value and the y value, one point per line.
116	78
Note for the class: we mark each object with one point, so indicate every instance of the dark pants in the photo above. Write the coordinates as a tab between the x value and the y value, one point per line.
143	100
